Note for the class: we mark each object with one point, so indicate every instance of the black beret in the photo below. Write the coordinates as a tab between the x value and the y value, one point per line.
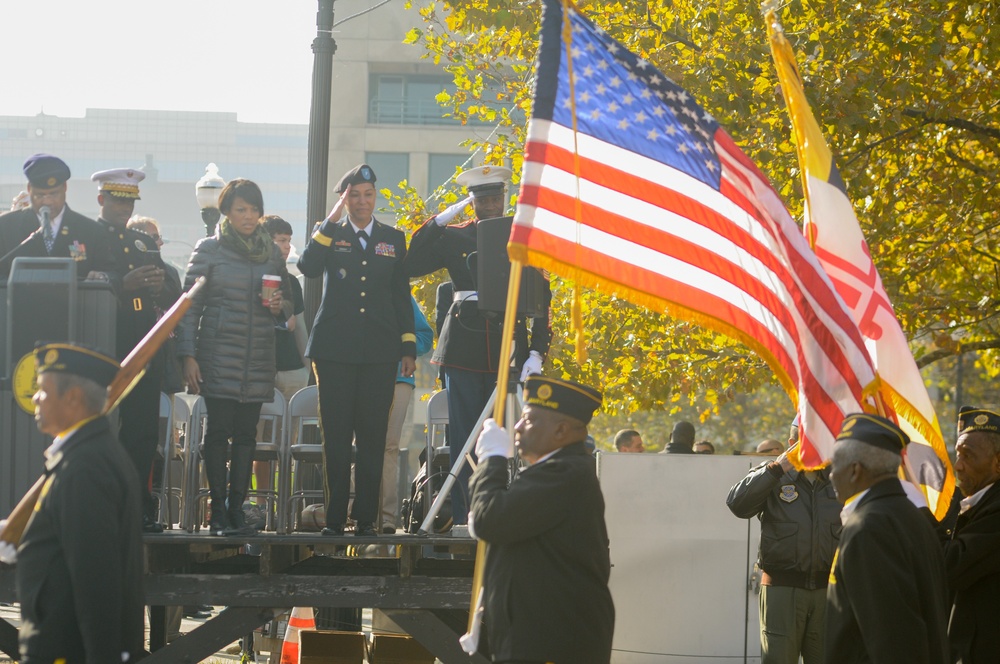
358	175
873	430
977	419
562	396
45	171
683	432
74	359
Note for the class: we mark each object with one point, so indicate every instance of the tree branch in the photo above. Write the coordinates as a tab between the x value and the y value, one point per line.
942	353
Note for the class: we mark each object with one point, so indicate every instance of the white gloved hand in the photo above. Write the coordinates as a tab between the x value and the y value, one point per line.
446	216
532	365
914	494
494	441
8	552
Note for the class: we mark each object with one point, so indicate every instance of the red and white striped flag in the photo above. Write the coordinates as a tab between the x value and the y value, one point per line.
835	235
630	187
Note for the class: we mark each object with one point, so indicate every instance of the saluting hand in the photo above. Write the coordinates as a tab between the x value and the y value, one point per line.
338	210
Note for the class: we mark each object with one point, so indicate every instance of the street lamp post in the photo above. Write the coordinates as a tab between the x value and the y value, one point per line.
206	190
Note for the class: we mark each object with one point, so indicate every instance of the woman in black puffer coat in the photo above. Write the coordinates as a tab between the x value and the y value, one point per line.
226	342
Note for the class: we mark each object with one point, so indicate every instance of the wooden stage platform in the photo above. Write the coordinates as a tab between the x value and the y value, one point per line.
423	583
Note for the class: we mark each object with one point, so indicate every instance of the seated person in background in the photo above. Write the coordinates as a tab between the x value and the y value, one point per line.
704	447
628	440
770	446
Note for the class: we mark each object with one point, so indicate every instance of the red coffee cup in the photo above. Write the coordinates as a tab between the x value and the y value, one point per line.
269	285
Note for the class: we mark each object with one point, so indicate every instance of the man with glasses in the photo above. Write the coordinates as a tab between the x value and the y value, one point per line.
49	228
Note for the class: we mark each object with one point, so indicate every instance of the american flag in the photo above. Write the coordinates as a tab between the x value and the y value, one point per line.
630	187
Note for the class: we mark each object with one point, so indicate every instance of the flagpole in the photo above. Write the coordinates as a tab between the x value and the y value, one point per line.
503	376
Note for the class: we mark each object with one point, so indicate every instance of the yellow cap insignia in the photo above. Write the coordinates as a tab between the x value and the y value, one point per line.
544	392
980	420
51	357
51	182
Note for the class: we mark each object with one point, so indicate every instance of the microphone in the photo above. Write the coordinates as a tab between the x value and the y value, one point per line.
46	213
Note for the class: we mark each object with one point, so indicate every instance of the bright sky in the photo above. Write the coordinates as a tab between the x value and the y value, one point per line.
252	57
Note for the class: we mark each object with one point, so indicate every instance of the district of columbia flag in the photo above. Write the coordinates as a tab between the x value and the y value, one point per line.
630	187
835	235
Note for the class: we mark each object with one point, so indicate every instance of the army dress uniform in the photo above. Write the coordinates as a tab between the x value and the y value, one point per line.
138	312
79	569
363	327
75	236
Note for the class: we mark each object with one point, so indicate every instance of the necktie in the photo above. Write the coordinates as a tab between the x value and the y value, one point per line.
363	239
49	238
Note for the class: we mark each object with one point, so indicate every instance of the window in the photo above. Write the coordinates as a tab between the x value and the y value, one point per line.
441	169
409	99
390	169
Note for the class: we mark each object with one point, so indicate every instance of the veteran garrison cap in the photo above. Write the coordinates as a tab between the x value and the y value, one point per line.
77	360
119	182
484	180
873	430
45	171
358	175
977	419
562	396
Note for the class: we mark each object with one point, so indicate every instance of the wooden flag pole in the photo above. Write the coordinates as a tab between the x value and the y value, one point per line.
503	375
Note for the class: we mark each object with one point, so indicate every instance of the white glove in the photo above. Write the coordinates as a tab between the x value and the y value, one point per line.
494	441
444	218
8	552
472	526
532	365
914	494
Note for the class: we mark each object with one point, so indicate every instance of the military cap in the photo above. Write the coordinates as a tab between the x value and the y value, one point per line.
119	182
977	419
873	430
562	396
45	171
683	432
77	360
358	175
484	180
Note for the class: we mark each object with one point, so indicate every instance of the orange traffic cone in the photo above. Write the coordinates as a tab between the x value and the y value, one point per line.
301	618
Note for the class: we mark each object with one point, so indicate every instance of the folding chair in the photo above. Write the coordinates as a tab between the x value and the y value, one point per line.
305	446
175	416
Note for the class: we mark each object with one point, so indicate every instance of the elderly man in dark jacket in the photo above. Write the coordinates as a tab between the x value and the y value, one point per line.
972	555
548	562
887	596
800	525
79	570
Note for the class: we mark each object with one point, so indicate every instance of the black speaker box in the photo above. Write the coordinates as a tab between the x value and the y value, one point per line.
493	272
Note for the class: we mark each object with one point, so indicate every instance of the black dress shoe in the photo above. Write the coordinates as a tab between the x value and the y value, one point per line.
365	530
332	531
238	526
151	526
388	530
219	524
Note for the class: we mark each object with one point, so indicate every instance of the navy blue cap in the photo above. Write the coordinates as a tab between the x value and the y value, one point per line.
977	419
74	359
358	175
562	396
873	430
45	171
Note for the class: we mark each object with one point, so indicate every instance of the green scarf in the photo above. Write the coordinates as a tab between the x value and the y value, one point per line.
257	248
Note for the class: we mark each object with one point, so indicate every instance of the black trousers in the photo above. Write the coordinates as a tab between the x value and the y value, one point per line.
227	420
139	430
354	403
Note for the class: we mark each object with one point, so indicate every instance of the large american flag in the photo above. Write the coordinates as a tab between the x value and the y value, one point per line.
629	186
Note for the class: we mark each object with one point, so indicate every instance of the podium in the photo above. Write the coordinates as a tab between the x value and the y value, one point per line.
41	301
